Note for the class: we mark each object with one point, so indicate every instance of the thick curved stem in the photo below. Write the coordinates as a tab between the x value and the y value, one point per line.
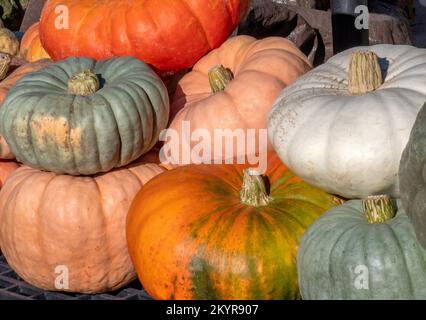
253	193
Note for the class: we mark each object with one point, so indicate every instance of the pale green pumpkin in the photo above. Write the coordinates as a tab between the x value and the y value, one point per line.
108	115
353	252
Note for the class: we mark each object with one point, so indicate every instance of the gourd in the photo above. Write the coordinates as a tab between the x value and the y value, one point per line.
343	126
80	116
229	90
53	226
363	249
222	231
170	35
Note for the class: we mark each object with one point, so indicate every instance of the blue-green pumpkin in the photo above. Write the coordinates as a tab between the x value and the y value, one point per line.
362	250
80	116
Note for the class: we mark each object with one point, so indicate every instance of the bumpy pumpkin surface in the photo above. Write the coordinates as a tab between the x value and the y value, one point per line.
31	48
343	256
49	220
9	82
412	176
204	232
170	34
345	134
260	70
78	132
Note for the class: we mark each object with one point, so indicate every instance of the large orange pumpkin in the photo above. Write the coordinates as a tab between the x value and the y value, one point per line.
9	82
31	47
233	87
53	223
204	232
169	34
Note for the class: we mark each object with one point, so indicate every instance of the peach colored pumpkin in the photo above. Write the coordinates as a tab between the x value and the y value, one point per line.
260	68
31	47
49	220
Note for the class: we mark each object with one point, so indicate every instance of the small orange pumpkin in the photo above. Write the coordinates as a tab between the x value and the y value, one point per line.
31	47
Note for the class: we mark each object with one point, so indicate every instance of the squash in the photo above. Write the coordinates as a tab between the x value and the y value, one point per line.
233	88
57	225
343	126
412	179
170	34
31	48
9	82
212	232
81	116
9	43
362	250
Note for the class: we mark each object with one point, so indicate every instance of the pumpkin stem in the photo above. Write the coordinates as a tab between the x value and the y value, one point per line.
253	192
365	74
5	61
219	77
378	209
83	83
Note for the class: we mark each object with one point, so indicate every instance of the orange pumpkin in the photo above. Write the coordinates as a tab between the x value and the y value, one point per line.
76	224
205	232
233	87
31	47
170	35
9	82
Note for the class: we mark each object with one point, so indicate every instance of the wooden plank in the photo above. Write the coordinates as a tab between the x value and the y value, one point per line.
32	14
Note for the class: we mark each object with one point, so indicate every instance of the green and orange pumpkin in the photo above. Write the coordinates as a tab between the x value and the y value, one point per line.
214	232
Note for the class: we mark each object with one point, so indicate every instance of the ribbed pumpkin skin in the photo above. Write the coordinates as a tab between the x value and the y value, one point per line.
50	129
49	220
170	34
31	48
342	239
412	177
9	82
190	237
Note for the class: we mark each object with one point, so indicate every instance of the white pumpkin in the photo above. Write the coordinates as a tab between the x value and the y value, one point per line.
342	130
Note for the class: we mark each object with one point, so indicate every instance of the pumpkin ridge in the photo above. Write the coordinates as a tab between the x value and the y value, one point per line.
335	242
398	243
192	12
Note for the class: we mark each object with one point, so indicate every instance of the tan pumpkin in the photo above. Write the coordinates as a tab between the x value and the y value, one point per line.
31	48
8	42
51	222
9	82
234	87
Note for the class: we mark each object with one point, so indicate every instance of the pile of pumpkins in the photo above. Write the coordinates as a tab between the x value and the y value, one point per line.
82	185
